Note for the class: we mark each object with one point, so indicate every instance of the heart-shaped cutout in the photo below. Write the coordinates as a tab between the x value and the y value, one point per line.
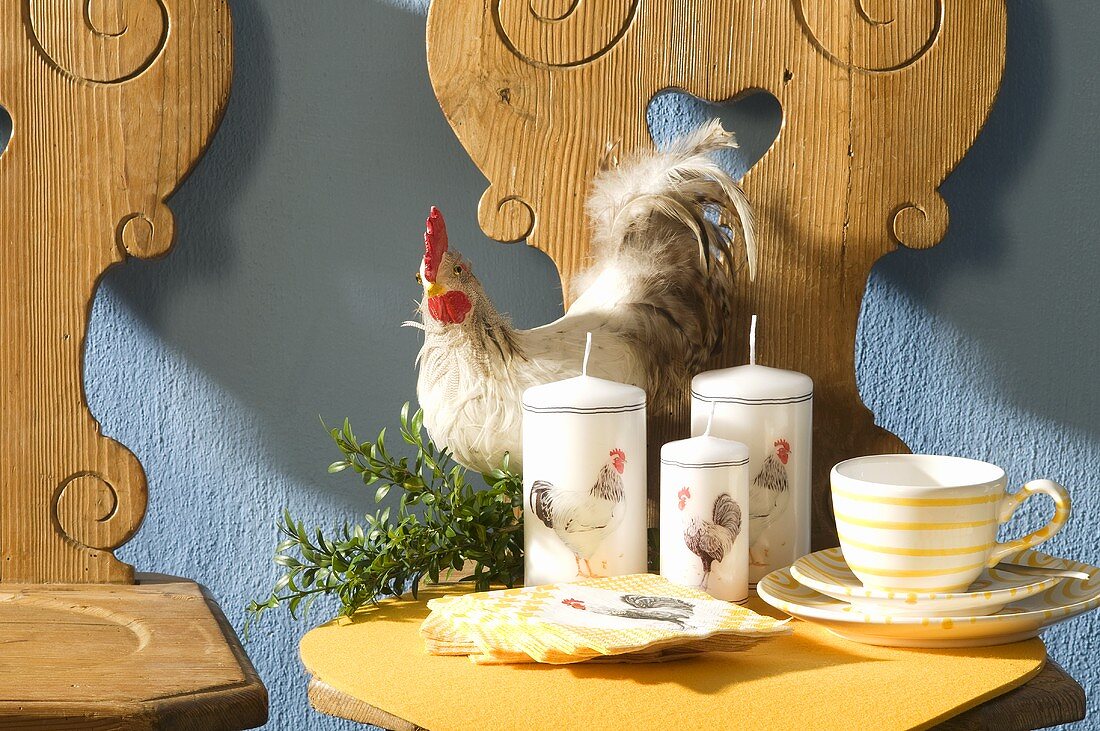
755	118
5	129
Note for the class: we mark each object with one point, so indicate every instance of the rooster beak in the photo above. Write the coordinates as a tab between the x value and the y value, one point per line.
435	289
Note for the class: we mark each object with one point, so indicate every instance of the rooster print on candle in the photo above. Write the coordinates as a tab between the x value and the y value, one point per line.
769	496
583	516
711	540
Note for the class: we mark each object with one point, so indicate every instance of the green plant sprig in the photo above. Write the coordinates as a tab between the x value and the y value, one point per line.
442	522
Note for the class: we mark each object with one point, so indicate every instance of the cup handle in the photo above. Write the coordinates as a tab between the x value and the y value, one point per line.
1014	501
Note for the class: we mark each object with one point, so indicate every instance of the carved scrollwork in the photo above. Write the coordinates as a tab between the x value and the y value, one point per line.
100	41
921	225
146	235
507	219
907	35
576	34
88	509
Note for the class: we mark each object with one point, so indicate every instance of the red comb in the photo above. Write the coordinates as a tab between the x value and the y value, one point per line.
435	243
618	453
782	443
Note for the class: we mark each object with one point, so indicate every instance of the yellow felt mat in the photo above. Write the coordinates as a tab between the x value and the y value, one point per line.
810	679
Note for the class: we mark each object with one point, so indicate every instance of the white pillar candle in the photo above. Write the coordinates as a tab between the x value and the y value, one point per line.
584	479
770	411
705	515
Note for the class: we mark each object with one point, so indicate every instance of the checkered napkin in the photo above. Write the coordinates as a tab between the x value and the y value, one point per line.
636	618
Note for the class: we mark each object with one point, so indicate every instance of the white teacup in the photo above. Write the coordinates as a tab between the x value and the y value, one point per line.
924	523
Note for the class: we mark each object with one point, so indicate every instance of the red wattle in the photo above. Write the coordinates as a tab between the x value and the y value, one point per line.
450	308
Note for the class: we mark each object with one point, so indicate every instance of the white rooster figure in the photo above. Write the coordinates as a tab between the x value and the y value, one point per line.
769	495
656	298
712	539
583	516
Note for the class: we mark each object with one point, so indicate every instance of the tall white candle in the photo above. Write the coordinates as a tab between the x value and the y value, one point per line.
770	411
705	515
584	479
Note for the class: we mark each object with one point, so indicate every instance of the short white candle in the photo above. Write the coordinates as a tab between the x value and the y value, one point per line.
705	515
584	479
770	411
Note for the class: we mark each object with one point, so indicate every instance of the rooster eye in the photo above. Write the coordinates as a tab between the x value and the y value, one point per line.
458	269
419	279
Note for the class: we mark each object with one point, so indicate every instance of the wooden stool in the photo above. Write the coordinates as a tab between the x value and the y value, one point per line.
112	103
343	658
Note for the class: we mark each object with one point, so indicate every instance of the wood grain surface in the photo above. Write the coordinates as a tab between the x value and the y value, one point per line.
881	99
158	654
111	105
326	699
112	102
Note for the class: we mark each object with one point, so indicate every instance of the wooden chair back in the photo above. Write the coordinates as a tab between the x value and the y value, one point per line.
111	103
881	99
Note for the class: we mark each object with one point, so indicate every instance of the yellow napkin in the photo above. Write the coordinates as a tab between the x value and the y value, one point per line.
637	618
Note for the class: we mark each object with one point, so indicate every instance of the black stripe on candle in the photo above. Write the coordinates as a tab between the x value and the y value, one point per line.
738	463
584	410
752	401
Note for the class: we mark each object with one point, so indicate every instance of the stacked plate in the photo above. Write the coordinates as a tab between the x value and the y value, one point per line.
1011	602
636	618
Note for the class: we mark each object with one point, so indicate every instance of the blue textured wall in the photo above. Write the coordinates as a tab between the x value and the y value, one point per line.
299	234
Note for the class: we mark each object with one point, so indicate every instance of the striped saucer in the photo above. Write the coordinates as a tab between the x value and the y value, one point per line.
1019	620
827	573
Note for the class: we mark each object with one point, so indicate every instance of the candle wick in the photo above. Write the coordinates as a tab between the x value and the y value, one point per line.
710	419
752	341
587	353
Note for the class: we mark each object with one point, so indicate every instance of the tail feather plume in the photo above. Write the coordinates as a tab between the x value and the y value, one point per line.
677	188
727	513
542	500
665	227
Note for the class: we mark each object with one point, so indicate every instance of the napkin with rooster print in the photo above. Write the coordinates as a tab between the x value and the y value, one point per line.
636	618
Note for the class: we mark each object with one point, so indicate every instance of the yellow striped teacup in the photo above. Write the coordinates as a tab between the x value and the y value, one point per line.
925	523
